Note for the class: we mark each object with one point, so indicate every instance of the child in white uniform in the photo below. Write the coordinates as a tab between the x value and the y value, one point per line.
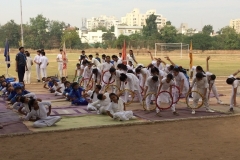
102	103
105	68
166	85
151	85
60	63
27	75
43	65
201	86
181	82
234	82
131	82
43	116
117	109
91	97
87	74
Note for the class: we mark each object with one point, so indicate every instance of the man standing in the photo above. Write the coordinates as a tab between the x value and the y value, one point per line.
60	63
37	62
43	65
82	56
131	57
21	64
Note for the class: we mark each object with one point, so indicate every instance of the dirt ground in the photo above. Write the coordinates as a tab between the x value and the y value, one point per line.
205	139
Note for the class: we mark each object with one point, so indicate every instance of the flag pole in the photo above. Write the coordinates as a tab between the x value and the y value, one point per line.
21	23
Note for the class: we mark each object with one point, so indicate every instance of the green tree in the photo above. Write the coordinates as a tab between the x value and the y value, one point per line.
229	38
102	28
71	38
10	31
55	29
169	23
201	41
112	28
168	34
151	27
120	40
207	29
108	39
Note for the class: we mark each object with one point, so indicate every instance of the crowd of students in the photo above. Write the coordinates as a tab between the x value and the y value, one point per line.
99	73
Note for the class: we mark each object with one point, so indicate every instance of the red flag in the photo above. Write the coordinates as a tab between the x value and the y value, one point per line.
124	54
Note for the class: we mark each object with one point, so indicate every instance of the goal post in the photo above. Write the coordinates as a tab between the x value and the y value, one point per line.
171	48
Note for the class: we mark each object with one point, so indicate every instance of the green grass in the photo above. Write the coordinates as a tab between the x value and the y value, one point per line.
221	65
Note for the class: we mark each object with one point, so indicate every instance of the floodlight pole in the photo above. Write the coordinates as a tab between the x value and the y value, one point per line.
21	23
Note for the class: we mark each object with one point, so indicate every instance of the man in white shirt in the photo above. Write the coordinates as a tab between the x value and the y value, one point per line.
131	57
116	61
37	62
94	61
60	63
43	65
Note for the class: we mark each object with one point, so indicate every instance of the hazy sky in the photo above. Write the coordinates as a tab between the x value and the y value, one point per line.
196	13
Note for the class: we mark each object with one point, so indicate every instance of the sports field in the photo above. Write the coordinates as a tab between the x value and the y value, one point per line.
220	64
84	135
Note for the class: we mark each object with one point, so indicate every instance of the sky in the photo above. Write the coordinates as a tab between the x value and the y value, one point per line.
196	13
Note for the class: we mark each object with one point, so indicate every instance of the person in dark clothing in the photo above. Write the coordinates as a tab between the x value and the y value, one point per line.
21	66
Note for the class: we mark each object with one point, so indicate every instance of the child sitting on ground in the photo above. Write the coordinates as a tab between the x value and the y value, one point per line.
102	103
76	95
117	109
43	116
91	97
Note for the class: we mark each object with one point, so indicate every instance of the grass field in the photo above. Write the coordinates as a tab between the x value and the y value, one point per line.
220	64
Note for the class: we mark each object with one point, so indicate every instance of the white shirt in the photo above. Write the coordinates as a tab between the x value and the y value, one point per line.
29	63
116	63
106	66
59	58
160	66
130	67
179	79
95	62
37	59
78	71
90	93
41	112
44	62
193	70
132	82
236	83
165	85
116	107
201	84
104	102
87	72
129	58
152	86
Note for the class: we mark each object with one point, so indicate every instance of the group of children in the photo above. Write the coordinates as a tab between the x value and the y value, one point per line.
27	103
93	75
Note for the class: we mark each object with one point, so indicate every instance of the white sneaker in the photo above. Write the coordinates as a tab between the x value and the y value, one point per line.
219	102
193	112
209	110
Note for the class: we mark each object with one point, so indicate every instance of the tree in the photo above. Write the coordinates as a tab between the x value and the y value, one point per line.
201	41
168	34
10	31
55	29
112	28
151	27
38	36
108	39
71	39
229	38
169	23
102	28
207	29
120	40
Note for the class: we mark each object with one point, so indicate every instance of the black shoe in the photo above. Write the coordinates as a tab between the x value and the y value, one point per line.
38	80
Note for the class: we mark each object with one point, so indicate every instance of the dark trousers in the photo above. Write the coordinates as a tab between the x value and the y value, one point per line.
21	72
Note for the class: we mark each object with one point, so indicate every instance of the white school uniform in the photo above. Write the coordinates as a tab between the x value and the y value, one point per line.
159	67
38	70
130	67
235	85
179	79
57	87
78	71
105	67
214	88
45	120
117	110
96	62
165	97
60	64
144	72
132	83
115	64
86	74
102	105
90	107
194	72
43	66
200	86
27	75
152	87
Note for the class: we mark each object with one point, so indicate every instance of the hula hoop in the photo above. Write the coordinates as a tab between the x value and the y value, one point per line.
144	100
178	91
200	105
170	97
107	82
132	95
111	85
90	83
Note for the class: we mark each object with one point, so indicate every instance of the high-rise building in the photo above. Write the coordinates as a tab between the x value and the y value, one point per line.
102	20
235	23
135	18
